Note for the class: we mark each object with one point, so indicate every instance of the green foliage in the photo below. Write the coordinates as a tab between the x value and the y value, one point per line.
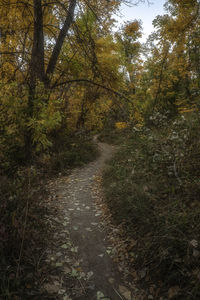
152	187
13	119
46	118
171	78
16	122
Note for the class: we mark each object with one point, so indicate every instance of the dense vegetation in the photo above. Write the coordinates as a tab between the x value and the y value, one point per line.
66	74
152	183
152	188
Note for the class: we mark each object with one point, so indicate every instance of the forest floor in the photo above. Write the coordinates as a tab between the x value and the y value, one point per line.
84	239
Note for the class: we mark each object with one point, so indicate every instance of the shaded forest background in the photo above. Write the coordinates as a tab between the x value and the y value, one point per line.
66	75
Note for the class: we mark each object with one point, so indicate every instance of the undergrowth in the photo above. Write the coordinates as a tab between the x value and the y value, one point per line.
152	186
72	151
23	233
113	136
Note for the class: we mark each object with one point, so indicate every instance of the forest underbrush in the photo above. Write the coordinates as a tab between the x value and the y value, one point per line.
113	136
152	187
23	231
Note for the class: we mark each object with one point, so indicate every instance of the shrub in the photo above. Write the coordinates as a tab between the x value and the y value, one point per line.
152	187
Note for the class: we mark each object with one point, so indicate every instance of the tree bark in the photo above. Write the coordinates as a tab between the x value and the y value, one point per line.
36	69
61	38
37	56
160	77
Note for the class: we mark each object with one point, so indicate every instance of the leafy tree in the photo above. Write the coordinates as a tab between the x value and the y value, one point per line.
127	38
34	37
170	81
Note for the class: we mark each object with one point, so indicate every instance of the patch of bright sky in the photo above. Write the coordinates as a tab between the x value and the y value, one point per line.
146	13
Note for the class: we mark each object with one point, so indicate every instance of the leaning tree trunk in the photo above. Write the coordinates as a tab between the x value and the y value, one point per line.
61	38
37	68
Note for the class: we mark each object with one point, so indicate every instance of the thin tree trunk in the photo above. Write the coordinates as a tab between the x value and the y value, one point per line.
36	69
61	38
160	77
37	57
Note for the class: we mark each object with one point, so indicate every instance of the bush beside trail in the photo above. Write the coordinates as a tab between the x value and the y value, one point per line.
152	187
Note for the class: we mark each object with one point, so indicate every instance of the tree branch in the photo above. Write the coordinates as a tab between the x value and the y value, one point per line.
93	83
37	56
61	38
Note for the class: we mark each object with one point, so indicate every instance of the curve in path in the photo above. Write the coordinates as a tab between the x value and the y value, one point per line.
80	237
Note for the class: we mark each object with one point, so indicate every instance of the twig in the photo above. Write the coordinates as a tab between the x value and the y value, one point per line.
176	173
24	228
82	286
40	258
118	293
82	80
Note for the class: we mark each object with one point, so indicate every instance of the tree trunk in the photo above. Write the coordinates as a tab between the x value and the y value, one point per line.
37	57
36	69
61	38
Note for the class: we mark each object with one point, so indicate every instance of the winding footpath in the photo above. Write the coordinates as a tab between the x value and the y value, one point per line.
79	253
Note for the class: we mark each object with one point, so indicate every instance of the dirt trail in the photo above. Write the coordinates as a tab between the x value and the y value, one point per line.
81	267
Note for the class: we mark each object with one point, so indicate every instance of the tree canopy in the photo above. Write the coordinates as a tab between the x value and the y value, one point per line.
63	66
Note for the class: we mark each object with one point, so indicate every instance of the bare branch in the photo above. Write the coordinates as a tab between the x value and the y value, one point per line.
93	83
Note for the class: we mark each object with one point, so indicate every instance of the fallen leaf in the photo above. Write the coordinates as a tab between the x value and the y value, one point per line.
101	255
75	228
59	264
111	280
94	224
67	270
97	214
142	273
74	249
50	288
61	292
100	296
65	246
88	229
66	298
90	274
173	291
74	273
194	243
125	292
195	253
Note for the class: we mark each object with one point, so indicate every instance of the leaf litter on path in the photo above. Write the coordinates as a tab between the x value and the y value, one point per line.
84	253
